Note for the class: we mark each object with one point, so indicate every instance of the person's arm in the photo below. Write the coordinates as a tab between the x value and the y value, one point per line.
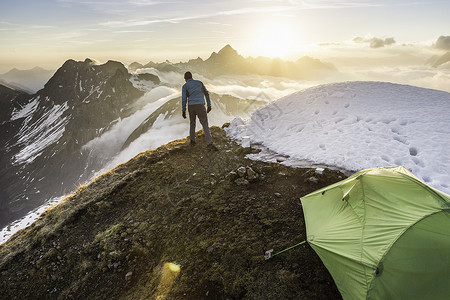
184	94
206	93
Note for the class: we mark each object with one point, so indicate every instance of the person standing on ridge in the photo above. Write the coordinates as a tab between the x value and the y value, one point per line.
194	93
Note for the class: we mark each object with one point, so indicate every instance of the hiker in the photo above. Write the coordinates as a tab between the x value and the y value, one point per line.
194	93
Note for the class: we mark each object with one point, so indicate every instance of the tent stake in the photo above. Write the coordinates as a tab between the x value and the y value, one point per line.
268	255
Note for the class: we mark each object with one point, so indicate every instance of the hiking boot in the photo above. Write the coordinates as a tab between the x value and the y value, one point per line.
212	147
192	143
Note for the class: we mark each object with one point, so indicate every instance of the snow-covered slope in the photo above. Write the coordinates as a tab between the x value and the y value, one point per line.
358	125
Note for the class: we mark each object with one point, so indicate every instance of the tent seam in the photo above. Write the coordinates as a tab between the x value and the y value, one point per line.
425	187
363	229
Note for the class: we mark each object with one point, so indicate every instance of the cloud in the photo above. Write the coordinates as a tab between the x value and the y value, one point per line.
108	144
174	20
328	44
327	4
443	43
375	42
419	75
96	3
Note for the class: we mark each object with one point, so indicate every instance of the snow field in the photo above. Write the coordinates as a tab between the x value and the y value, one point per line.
358	125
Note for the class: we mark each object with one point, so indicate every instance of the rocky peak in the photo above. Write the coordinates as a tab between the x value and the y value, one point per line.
226	55
134	66
113	67
88	81
228	51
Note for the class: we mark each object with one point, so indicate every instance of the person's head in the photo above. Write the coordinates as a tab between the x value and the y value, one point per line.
187	75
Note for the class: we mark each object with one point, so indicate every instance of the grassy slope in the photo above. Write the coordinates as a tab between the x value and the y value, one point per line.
152	210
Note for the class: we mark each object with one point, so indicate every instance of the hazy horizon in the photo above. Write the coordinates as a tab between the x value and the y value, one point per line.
364	39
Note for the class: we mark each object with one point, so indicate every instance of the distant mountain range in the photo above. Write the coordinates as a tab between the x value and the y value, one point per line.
30	80
228	61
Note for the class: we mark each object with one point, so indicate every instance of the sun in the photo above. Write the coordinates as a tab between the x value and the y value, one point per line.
274	39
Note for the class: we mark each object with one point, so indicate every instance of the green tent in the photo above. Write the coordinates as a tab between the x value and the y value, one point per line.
383	234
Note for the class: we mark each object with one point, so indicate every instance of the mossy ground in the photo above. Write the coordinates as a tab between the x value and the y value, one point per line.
177	204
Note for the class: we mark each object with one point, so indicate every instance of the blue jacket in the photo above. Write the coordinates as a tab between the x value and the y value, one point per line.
194	92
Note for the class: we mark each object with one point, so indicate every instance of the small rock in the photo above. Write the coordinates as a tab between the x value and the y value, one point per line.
313	179
278	195
241	171
241	181
210	249
128	276
319	171
233	175
251	174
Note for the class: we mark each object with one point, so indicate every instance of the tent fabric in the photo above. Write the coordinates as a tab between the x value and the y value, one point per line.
377	229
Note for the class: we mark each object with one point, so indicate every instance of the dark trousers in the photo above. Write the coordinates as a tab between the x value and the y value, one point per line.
199	110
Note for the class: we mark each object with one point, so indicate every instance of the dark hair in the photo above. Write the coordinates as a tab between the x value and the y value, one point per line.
187	75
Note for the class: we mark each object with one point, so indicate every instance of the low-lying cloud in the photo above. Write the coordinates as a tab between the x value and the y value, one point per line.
110	143
375	42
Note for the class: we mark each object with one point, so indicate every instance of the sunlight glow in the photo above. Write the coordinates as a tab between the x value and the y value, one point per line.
275	39
174	267
169	273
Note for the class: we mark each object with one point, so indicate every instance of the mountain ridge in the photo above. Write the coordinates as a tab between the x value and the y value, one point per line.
228	61
211	213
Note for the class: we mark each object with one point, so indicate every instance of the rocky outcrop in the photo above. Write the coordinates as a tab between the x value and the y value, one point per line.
44	133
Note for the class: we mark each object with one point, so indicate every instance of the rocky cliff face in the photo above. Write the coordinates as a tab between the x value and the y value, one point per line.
42	134
178	222
10	99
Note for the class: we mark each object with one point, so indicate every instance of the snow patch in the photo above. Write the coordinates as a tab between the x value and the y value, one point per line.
358	125
26	110
35	137
29	219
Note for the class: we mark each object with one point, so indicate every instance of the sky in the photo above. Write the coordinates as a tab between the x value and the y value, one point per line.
47	32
